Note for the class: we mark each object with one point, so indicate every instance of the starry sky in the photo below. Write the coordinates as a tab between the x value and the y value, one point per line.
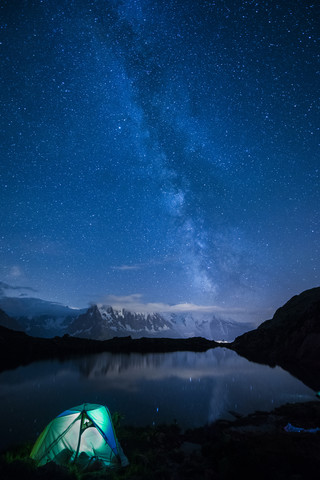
160	153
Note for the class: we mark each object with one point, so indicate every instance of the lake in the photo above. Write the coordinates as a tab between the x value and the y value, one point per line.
190	388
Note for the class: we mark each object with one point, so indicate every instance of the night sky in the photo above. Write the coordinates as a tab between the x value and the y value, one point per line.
160	152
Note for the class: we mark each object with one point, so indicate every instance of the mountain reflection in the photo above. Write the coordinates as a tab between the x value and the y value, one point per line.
159	365
190	388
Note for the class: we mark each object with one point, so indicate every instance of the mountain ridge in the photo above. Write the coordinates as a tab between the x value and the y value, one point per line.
101	322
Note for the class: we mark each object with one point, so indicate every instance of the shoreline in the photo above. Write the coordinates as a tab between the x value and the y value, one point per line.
254	445
18	349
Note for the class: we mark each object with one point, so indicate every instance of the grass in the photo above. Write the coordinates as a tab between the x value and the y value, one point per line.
222	451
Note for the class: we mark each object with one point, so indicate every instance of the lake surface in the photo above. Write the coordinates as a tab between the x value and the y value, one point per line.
190	388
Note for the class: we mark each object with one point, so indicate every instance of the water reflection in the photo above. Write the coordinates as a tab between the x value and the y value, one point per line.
187	387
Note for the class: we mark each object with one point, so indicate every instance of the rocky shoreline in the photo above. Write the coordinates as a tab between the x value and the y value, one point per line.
260	445
255	446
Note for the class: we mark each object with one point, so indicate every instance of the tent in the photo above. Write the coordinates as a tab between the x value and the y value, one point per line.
82	435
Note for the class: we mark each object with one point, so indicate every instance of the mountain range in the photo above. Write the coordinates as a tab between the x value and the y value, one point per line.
41	318
291	339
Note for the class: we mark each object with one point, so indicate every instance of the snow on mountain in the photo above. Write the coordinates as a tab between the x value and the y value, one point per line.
39	318
103	322
47	319
32	307
206	325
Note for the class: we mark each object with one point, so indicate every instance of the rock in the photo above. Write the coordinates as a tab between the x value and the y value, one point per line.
291	339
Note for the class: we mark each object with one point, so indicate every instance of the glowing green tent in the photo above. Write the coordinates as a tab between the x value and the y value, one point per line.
82	435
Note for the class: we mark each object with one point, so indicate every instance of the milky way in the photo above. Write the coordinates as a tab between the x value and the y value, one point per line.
160	150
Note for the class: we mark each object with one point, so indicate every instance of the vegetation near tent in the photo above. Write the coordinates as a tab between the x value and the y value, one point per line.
82	435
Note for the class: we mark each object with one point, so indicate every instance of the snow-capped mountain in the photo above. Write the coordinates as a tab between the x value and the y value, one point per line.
103	322
48	319
39	318
206	325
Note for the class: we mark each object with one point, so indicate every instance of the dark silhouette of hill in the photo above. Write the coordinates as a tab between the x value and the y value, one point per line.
290	339
18	348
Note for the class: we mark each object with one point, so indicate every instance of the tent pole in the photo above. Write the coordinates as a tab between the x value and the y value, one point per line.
80	433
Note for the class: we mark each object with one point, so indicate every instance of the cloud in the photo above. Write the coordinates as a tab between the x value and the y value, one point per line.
5	288
125	298
123	268
134	302
140	266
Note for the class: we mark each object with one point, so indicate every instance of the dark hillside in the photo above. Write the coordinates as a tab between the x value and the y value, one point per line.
291	339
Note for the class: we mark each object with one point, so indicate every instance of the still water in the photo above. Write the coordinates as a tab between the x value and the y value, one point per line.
190	388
